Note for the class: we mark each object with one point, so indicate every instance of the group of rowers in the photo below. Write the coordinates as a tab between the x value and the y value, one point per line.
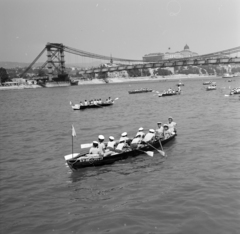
172	91
141	139
235	91
95	102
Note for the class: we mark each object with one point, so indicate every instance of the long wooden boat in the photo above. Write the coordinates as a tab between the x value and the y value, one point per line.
140	91
236	91
79	107
78	161
213	87
207	83
169	94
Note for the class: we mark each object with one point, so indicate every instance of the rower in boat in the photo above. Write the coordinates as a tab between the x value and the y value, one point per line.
141	133
172	125
85	103
159	131
95	150
149	136
166	132
110	149
111	144
124	137
136	142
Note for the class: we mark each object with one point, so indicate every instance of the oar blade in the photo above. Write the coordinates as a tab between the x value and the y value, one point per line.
162	153
149	153
87	145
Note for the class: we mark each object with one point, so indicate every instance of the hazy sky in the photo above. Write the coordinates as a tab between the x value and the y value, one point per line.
124	28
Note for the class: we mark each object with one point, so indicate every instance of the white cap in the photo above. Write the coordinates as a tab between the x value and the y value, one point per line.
111	138
124	134
140	129
101	137
170	118
165	125
95	142
159	122
151	130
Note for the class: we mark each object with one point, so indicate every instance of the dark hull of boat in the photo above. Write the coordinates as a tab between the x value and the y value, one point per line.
75	164
140	91
234	93
169	94
95	106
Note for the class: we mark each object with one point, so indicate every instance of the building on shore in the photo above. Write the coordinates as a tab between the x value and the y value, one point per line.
158	57
153	57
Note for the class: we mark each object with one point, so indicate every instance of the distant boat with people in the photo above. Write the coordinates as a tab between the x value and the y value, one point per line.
227	75
145	90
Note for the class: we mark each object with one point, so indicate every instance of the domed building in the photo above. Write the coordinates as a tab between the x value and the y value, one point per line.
185	53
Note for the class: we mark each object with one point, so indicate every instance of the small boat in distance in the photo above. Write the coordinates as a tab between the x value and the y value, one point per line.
207	82
169	94
140	91
83	107
211	87
227	75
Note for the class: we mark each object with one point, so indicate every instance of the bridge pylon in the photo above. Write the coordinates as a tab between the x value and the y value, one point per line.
55	59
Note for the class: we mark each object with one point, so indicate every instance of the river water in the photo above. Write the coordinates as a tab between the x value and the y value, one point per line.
195	190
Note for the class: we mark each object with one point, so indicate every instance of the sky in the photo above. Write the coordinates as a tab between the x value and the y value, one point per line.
126	29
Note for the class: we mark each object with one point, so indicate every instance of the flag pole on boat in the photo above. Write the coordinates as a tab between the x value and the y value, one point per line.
73	135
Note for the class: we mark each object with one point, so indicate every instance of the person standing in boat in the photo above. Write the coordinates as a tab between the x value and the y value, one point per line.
159	131
172	125
101	144
149	136
179	89
141	133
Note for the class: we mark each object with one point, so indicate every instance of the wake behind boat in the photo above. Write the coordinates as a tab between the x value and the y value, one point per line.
77	161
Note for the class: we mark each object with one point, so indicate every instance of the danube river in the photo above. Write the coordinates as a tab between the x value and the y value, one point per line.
195	190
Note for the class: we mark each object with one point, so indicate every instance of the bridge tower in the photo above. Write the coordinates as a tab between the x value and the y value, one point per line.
55	59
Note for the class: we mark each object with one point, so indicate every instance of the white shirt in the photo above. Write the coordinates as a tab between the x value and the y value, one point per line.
136	140
123	139
120	146
148	136
142	134
172	126
111	144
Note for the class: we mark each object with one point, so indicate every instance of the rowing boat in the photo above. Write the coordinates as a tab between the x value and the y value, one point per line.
83	107
212	87
169	94
77	161
140	91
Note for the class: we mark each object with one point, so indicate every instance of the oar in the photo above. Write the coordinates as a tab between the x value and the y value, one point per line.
159	151
87	145
162	147
149	153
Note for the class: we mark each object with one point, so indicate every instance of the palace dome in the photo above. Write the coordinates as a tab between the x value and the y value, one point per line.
186	47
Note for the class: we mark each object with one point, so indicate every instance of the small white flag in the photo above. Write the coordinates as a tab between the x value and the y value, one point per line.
73	132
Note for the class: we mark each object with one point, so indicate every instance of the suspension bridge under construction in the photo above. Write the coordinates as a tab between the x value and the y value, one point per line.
56	60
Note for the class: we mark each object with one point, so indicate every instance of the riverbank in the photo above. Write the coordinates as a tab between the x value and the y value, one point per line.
146	78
